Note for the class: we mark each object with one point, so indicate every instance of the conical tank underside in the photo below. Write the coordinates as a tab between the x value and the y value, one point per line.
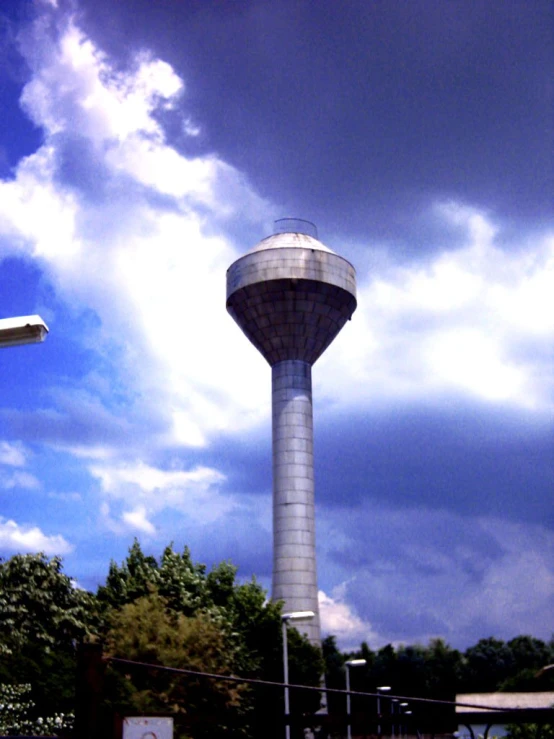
291	296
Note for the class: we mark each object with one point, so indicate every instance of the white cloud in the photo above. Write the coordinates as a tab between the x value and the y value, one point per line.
138	492
12	454
137	520
461	322
66	497
17	538
125	225
471	360
90	96
340	619
19	479
190	128
152	480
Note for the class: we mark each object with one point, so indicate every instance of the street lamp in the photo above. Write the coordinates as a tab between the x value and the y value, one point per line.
349	664
381	689
403	712
392	706
406	713
22	330
285	618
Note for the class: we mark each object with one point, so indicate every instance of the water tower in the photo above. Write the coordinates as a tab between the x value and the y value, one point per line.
291	296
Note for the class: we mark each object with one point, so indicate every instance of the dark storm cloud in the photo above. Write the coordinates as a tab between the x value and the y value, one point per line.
246	460
464	459
456	457
19	136
80	168
391	546
415	573
431	99
84	425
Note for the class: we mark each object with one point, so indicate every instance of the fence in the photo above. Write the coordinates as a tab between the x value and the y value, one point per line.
428	717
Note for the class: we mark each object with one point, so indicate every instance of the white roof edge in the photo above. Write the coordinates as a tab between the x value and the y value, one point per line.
544	699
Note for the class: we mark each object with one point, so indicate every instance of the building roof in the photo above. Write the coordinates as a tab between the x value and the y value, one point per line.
504	701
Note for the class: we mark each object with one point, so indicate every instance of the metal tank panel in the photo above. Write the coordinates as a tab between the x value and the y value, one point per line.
285	261
291	302
294	562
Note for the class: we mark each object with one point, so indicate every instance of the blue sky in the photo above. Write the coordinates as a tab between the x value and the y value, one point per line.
144	147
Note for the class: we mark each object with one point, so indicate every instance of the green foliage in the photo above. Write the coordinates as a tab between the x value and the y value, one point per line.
306	668
529	655
530	731
334	673
18	715
249	624
39	604
177	578
412	670
493	665
148	631
42	615
485	665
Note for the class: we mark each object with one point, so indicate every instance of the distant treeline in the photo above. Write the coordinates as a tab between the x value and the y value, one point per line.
438	671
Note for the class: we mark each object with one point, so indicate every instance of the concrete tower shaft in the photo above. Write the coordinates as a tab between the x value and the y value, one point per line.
294	561
291	296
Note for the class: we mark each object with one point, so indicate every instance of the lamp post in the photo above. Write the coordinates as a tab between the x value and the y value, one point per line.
348	665
403	712
285	618
392	712
381	689
22	330
406	713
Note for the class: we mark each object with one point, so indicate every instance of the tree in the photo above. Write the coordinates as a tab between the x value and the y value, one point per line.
485	666
529	655
42	615
18	715
251	624
39	604
177	578
530	731
443	667
384	666
148	631
334	674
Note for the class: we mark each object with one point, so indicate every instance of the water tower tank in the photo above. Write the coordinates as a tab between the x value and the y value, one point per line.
291	295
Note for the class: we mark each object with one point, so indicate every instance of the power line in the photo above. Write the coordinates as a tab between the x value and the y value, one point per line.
318	689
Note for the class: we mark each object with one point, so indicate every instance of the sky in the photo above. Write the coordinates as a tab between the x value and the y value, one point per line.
146	146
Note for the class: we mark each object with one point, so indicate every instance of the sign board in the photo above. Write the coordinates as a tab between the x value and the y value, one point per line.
147	727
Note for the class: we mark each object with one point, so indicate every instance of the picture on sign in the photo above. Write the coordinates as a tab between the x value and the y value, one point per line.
148	727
